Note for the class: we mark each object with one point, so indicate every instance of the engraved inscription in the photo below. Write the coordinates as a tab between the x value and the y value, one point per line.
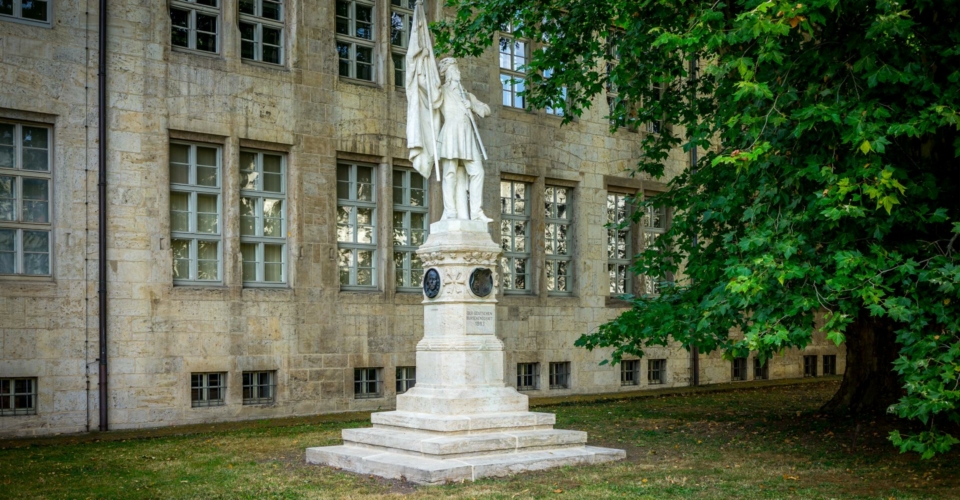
480	319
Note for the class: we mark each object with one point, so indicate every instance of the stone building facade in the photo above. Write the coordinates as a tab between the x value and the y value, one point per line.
257	185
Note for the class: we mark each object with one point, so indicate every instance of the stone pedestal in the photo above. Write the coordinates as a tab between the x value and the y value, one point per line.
460	421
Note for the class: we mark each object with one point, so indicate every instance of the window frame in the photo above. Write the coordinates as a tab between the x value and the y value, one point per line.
260	195
531	372
258	21
630	372
11	395
761	372
192	7
256	397
738	370
406	378
511	255
203	400
361	377
551	258
353	246
193	191
406	267
17	15
560	375
18	225
810	365
516	79
628	235
831	367
657	371
354	41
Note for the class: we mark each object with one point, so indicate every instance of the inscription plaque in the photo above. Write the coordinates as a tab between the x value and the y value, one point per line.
480	319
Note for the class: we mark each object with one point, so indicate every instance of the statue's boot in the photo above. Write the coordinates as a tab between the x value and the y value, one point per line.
479	215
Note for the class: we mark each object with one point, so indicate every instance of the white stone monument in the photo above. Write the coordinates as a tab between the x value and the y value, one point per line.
460	421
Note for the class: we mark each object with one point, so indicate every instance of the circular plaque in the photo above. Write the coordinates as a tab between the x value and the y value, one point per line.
481	281
431	283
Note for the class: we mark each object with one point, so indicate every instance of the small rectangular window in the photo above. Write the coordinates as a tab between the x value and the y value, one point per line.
367	383
357	225
515	237
195	25
528	376
761	371
406	378
739	369
355	38
18	396
208	389
513	59
558	228
261	30
195	222
259	388
630	372
263	221
619	246
25	195
810	366
401	24
32	11
830	364
411	225
560	375
656	371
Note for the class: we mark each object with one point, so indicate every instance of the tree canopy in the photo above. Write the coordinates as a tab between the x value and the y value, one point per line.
826	194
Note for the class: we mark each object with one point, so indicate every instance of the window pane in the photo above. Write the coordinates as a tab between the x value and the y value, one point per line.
7	250
271	10
6	8
248	7
248	216
208	260
35	10
179	212
8	196
249	255
272	218
180	22
36	207
181	259
36	252
207	216
273	263
248	167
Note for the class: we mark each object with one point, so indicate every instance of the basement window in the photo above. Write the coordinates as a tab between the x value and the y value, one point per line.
761	371
367	383
630	372
207	389
528	376
18	396
656	371
259	387
830	364
560	375
406	378
810	366
739	369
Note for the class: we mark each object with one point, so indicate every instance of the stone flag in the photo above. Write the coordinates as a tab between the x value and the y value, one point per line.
423	100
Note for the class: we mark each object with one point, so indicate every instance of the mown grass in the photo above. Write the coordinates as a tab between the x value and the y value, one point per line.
757	443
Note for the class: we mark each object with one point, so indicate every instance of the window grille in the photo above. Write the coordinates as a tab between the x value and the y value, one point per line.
25	186
406	378
560	375
18	396
515	236
355	38
357	225
367	383
261	30
619	246
528	376
830	364
263	208
208	389
195	24
411	224
630	372
656	371
761	371
810	366
559	251
739	369
195	213
259	387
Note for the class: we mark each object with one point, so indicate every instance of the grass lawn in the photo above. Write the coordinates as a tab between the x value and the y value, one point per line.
751	443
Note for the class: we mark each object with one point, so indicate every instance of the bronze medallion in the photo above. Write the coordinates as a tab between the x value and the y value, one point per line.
431	284
481	281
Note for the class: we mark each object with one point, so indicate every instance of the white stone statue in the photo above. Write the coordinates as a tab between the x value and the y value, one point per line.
455	145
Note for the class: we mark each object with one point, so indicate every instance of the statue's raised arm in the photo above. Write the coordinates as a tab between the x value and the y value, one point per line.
423	97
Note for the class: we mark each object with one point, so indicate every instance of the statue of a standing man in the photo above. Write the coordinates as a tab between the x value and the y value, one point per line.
456	144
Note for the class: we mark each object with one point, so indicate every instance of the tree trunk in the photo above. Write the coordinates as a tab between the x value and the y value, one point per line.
869	383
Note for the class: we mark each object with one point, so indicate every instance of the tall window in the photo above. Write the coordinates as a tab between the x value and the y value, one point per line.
513	59
367	383
18	396
357	225
195	24
528	376
34	11
263	217
619	251
195	212
259	388
559	252
560	375
406	378
207	389
355	40
411	225
653	224
739	369
656	371
630	372
515	235
25	160
261	30
401	23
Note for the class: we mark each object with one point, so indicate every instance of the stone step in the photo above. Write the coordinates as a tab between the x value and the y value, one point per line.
435	471
463	424
434	446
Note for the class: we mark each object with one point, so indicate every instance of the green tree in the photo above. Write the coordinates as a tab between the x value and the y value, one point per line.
826	195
